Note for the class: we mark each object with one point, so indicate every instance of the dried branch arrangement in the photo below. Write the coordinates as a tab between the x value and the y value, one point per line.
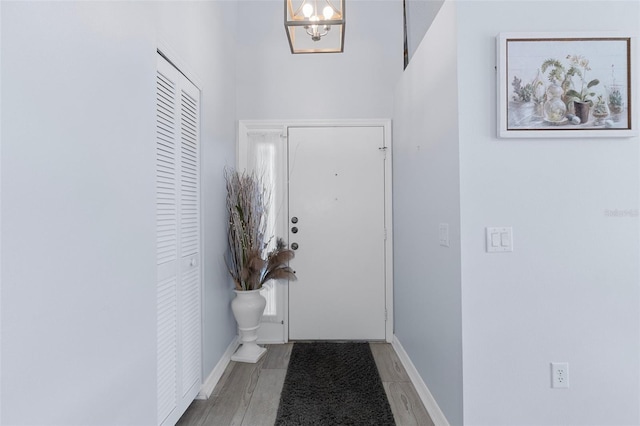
248	261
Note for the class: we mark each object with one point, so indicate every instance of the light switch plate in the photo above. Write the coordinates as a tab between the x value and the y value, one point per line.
499	239
443	234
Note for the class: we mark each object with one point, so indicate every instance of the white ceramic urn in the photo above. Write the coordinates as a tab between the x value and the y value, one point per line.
248	307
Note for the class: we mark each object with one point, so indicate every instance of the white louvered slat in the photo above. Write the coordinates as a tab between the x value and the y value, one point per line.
179	333
189	178
166	128
166	243
167	349
166	234
190	329
190	239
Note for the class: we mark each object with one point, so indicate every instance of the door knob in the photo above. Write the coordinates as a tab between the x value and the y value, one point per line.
294	246
294	220
294	229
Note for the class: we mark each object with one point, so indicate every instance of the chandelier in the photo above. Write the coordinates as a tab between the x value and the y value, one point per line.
314	26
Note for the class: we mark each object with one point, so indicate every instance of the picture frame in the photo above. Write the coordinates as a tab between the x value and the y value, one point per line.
559	85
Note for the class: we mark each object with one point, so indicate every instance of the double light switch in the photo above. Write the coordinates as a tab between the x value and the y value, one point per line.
499	239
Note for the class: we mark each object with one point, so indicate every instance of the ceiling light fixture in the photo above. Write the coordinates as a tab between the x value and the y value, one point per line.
314	26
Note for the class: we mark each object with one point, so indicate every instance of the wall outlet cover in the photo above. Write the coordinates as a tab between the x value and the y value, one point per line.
560	375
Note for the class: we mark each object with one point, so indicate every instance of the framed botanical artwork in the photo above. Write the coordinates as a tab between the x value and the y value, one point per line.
565	85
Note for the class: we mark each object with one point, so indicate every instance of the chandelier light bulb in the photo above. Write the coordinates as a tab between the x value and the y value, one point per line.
327	12
314	19
315	35
307	10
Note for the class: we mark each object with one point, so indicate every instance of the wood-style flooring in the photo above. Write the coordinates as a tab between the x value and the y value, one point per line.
248	394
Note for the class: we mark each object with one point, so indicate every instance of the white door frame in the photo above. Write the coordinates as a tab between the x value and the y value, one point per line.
245	127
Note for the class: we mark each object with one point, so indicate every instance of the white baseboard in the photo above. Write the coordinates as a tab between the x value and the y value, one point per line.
207	387
428	400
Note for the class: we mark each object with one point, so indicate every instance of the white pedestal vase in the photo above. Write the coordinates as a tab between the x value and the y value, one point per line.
248	307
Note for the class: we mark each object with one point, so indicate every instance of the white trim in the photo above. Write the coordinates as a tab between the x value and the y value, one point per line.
425	395
271	333
275	124
214	377
273	329
1	210
172	56
388	226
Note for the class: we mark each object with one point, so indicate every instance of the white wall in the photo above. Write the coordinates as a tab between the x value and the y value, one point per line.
426	193
569	291
78	207
274	84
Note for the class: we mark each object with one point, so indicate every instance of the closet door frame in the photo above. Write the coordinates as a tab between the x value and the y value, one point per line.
185	392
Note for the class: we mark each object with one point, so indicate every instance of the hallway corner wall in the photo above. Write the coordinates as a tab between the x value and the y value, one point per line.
427	278
78	201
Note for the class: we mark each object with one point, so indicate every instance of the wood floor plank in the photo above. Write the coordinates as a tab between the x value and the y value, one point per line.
263	408
406	405
195	414
225	376
278	356
229	407
388	363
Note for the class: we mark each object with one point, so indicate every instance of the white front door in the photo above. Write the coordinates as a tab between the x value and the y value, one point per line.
337	223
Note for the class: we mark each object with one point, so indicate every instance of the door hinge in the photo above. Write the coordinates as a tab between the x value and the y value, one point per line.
385	314
385	234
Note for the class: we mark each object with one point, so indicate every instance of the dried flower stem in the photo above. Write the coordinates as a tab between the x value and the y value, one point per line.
247	205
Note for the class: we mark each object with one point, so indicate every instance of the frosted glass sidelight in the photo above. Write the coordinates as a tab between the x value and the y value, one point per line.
262	158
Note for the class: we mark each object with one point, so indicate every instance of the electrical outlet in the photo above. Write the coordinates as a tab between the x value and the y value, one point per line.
560	375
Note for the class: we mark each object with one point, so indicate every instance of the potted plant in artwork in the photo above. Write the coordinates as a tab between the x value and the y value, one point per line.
526	98
558	74
582	99
555	108
615	96
250	261
600	111
615	100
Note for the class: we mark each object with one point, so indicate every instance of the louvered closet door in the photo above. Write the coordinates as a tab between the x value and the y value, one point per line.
178	242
